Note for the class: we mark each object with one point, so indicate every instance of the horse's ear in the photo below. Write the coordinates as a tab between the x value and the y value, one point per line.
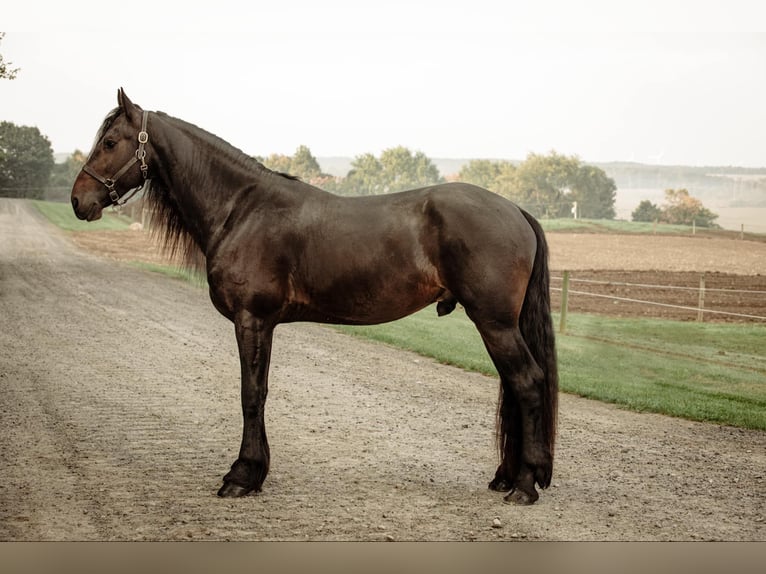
128	107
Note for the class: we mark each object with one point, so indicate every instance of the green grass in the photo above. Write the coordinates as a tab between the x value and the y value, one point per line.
703	372
613	226
637	228
61	214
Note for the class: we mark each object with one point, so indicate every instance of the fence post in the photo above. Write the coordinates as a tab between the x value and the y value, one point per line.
701	303
564	302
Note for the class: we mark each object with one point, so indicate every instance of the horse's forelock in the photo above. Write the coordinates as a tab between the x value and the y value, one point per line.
107	123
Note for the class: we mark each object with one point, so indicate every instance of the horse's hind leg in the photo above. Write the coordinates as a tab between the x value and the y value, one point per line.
524	457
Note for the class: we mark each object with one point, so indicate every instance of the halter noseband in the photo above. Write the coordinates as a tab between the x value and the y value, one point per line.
140	155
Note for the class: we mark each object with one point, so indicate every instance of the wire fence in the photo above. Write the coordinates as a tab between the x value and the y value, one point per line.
737	297
669	287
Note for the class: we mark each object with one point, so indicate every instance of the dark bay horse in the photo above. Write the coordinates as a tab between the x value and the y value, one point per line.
276	250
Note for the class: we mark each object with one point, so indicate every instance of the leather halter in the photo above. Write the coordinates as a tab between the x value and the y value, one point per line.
140	155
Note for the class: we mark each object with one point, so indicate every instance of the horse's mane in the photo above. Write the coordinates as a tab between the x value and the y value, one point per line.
166	221
167	226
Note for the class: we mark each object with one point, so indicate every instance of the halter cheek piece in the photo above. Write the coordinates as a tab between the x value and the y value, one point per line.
140	155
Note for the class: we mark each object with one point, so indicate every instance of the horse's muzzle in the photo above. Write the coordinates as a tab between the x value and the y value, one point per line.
92	213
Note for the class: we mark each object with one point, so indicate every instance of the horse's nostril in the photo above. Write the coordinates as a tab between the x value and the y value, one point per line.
74	203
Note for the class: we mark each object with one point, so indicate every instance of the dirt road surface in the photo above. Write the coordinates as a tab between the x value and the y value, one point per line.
119	413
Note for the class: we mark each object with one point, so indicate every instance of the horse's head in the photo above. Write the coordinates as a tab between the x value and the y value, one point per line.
116	164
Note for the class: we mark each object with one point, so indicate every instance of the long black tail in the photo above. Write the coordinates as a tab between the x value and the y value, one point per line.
536	326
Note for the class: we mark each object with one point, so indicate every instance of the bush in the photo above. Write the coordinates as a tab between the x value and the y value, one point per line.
646	211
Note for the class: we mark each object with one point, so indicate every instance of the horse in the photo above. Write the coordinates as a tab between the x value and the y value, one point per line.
276	249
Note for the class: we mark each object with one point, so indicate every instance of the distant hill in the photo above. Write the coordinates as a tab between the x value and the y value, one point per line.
720	184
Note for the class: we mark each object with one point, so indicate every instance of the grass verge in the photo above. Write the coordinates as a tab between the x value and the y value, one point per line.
613	226
616	226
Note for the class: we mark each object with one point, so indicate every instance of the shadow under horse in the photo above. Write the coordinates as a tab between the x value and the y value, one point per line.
277	250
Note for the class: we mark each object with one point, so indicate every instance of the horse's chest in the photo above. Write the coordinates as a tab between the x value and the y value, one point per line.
237	285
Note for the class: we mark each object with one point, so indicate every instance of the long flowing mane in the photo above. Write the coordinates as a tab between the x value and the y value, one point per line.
168	228
166	222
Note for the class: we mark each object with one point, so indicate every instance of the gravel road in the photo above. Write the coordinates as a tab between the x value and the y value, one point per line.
119	414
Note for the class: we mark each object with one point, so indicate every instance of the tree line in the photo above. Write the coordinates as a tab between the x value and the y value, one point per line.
548	186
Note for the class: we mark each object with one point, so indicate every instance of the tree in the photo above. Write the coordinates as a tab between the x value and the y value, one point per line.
543	182
681	208
497	176
278	162
404	170
302	164
396	170
6	72
481	172
26	160
646	211
594	192
506	181
547	185
64	174
365	177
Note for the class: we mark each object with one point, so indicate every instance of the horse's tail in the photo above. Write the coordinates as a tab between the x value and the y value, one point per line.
536	326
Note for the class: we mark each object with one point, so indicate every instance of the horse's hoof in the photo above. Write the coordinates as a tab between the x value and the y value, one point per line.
521	498
500	485
231	490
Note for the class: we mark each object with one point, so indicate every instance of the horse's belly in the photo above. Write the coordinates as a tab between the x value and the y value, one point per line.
383	302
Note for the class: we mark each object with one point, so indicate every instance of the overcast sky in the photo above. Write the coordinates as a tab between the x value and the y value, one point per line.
655	81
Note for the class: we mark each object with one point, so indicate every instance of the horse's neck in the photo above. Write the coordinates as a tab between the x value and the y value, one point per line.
203	179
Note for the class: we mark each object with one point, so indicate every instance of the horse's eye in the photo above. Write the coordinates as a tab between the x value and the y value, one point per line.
109	144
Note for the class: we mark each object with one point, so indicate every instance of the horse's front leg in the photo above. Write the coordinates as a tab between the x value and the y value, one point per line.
249	470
